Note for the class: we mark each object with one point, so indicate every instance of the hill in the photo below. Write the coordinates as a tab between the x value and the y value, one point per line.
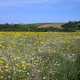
43	27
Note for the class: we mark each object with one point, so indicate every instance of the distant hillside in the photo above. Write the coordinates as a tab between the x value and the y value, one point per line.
42	27
54	26
31	27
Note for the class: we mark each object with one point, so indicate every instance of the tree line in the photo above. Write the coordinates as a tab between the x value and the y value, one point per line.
71	26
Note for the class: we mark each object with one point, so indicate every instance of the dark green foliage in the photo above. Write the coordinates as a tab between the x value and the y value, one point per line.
72	26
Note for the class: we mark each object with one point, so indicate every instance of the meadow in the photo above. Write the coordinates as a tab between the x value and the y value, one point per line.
39	55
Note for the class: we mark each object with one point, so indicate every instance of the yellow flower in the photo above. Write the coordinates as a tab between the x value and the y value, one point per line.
17	65
1	46
42	42
7	66
23	62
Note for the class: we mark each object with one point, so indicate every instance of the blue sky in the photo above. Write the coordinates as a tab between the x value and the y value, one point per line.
37	11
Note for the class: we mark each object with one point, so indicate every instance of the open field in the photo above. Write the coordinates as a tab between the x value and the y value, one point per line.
39	56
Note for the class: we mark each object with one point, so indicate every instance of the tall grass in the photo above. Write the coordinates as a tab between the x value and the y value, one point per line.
39	56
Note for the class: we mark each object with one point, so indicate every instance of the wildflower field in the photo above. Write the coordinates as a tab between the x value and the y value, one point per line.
39	56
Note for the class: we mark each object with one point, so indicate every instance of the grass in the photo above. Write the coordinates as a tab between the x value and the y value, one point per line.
39	56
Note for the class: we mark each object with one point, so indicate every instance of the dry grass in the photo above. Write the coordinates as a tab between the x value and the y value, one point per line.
39	55
54	26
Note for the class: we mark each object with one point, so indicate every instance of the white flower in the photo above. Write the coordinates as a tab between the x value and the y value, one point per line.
44	77
27	73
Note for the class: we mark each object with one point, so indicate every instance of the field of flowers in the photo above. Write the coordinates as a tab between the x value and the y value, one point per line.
39	56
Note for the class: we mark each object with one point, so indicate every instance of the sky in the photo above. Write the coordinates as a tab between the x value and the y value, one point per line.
39	11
